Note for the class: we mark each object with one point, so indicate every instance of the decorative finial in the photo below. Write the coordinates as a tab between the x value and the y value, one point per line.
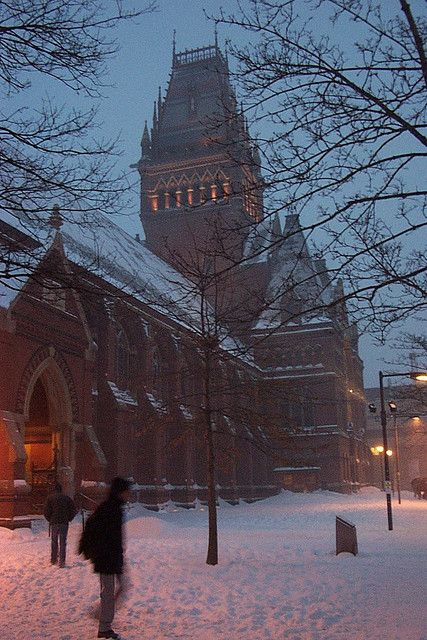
55	219
174	47
145	142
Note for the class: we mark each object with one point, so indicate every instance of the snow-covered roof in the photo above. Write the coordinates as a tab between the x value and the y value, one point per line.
258	243
104	249
294	271
122	396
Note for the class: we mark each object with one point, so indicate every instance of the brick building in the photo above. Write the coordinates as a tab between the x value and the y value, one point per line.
103	344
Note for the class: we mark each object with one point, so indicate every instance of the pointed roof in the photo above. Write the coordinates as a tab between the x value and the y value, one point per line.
261	238
294	276
145	141
26	252
198	96
106	251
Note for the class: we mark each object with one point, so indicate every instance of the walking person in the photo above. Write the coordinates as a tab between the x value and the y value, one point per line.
59	510
102	543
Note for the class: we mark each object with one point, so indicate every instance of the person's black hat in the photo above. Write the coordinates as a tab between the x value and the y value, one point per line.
118	485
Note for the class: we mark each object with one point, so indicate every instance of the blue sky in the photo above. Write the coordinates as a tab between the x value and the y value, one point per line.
141	66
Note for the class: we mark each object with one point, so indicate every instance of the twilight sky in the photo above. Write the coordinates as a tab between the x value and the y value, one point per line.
135	74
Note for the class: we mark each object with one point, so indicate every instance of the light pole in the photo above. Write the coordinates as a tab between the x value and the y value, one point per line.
415	375
393	411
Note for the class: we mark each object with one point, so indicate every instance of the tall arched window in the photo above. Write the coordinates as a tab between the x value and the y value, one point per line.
123	360
188	383
157	375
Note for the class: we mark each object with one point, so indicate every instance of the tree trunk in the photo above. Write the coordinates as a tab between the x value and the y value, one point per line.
212	557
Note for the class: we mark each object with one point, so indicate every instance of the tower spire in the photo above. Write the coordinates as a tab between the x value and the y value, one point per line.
159	102
155	117
174	48
145	142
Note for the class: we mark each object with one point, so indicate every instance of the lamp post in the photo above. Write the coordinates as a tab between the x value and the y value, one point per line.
415	375
393	411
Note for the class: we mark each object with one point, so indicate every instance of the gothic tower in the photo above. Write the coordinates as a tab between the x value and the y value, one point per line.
200	182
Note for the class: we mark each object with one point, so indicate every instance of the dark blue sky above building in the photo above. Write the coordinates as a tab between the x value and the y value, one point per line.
132	81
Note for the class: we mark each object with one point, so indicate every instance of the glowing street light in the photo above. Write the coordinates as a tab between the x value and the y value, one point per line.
414	375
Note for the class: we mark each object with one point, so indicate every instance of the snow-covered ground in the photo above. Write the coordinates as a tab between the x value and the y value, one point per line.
278	577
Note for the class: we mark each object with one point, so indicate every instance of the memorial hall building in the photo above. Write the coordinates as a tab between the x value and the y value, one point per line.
117	352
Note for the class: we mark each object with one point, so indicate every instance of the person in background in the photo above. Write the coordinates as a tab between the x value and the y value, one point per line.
102	543
59	510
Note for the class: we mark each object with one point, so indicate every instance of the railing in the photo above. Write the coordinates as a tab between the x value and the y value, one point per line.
195	55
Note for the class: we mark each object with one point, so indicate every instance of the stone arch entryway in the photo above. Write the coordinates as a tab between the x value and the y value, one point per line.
49	409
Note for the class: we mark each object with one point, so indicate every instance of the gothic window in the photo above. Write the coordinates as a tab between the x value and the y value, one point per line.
317	353
159	376
308	418
156	374
190	196
308	413
284	412
123	360
187	384
226	187
296	412
154	202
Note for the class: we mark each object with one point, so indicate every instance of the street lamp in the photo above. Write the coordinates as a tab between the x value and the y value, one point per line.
415	375
393	410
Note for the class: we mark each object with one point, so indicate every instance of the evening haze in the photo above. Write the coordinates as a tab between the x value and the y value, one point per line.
141	66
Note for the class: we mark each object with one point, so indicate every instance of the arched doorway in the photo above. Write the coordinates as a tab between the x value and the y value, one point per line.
48	433
40	440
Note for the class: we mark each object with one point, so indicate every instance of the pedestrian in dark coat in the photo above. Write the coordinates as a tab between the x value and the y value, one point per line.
59	510
102	543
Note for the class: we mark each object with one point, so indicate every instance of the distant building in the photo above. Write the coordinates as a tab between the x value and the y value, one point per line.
409	420
105	376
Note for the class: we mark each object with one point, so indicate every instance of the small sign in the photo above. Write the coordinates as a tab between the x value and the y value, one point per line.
346	536
387	486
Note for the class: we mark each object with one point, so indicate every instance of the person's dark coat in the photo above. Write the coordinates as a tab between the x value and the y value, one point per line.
101	541
59	508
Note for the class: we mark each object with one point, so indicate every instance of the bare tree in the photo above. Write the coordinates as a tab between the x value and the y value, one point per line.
211	287
48	151
342	123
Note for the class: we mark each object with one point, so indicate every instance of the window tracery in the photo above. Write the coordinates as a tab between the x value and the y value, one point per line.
123	359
